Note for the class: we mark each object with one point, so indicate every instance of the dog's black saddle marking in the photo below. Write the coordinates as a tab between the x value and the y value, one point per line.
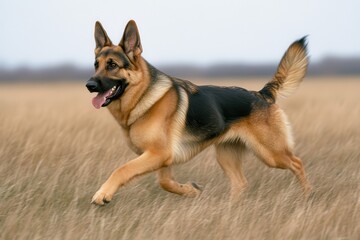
212	109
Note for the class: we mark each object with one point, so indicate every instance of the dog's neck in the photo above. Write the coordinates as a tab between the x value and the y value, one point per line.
142	96
153	94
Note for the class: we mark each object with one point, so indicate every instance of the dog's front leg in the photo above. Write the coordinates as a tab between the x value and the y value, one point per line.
145	163
167	182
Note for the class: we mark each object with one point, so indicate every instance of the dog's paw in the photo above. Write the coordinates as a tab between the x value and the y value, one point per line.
197	186
101	197
193	189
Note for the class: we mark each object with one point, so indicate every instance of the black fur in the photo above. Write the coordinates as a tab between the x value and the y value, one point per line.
268	91
212	109
303	41
104	84
153	72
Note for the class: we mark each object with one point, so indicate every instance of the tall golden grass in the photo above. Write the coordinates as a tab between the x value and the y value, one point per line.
56	150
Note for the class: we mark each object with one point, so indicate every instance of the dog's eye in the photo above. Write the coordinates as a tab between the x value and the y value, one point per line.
111	65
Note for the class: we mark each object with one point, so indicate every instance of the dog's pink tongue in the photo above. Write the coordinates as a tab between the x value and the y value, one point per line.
99	100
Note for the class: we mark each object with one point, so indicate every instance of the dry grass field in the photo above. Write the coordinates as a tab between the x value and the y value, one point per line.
56	150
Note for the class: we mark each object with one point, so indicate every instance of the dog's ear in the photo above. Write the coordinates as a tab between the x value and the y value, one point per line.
101	37
130	41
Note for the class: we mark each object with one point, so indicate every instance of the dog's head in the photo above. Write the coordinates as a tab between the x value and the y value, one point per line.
116	66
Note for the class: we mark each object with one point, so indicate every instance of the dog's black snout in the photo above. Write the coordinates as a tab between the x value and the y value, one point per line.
92	85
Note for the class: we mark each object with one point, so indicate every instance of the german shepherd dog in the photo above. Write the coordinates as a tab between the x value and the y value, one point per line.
168	121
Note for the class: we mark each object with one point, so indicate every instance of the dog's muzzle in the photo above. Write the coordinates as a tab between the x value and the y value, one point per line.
93	85
108	90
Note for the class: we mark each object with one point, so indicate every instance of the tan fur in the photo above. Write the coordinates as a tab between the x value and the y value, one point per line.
290	72
167	182
152	95
152	114
267	134
229	157
138	84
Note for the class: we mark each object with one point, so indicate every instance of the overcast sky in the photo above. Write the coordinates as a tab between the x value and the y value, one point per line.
47	32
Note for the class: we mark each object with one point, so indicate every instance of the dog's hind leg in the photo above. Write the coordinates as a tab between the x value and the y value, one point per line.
298	169
229	157
167	182
272	143
284	159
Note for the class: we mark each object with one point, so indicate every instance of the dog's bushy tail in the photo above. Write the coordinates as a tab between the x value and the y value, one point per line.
290	72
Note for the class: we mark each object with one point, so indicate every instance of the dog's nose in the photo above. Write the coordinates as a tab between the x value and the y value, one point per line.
92	85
